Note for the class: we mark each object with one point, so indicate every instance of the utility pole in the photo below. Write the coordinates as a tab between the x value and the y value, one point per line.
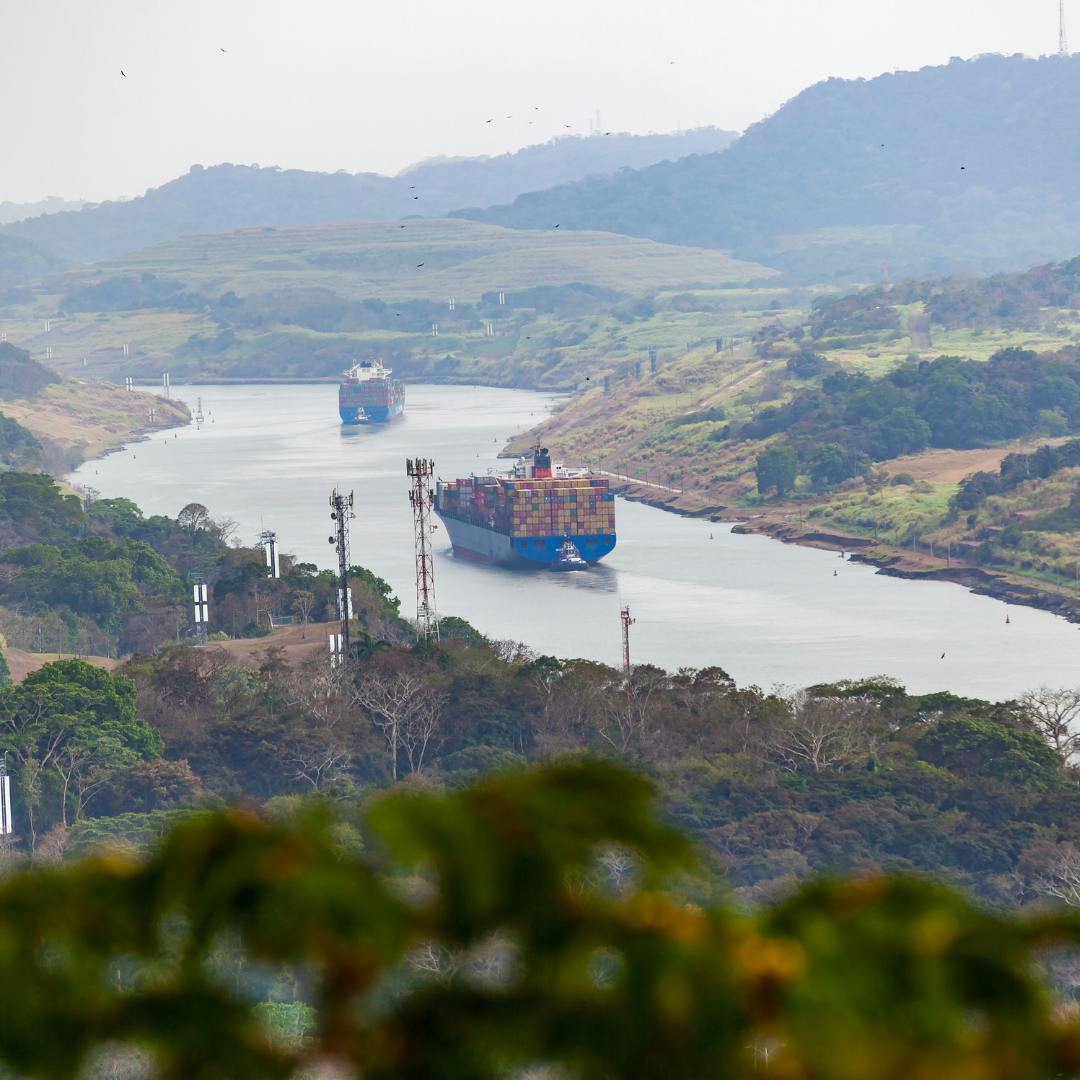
341	513
627	622
420	471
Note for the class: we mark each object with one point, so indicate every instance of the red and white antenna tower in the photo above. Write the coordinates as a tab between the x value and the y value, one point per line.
420	471
627	622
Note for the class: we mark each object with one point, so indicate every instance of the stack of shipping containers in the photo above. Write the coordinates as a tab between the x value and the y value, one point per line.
578	506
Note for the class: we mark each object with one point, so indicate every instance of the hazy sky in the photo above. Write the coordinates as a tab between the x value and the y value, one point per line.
342	84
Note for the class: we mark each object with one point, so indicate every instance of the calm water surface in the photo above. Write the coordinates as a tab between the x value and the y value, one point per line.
767	612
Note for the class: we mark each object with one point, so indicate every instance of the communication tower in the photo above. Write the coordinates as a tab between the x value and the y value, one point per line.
1063	39
270	547
202	610
166	383
6	826
341	513
627	622
420	471
199	418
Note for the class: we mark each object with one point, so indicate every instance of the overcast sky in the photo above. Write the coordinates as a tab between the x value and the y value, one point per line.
347	84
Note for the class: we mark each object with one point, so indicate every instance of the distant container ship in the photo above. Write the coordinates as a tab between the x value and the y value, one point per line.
367	394
533	515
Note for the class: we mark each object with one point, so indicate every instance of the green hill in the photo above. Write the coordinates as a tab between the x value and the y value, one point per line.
226	197
965	166
305	300
419	258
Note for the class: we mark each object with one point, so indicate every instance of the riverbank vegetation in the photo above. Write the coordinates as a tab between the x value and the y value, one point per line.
95	576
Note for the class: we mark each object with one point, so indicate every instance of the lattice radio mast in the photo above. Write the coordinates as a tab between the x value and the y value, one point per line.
420	471
341	513
1063	39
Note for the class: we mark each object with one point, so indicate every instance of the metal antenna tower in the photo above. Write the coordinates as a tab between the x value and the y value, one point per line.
341	513
6	827
270	547
1063	40
421	470
627	622
202	610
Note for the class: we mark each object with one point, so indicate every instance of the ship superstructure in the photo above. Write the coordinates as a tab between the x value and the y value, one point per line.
526	516
368	394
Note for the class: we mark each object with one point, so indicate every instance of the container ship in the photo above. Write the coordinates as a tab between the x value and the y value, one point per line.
535	515
367	394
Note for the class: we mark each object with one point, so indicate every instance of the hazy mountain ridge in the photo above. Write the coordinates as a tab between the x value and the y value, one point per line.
53	204
970	160
225	197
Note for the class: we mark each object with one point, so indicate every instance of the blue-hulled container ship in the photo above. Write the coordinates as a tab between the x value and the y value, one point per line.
368	395
535	515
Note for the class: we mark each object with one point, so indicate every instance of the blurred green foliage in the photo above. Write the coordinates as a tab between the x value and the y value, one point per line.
491	932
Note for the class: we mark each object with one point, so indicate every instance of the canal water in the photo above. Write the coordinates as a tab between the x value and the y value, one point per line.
773	614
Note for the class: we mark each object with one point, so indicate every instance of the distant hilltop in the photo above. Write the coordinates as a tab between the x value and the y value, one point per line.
13	211
966	167
226	197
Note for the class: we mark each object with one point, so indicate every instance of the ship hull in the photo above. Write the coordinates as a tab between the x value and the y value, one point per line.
370	414
535	551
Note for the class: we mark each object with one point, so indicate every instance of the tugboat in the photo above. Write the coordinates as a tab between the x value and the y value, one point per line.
569	558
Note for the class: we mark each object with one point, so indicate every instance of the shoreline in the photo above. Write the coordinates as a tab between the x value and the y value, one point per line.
889	561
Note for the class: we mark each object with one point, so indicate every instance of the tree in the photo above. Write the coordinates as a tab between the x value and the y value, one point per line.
405	709
776	467
821	733
903	431
1055	714
991	748
193	518
76	723
302	603
832	464
487	932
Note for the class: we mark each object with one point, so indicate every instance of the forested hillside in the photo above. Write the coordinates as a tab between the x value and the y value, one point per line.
23	260
955	167
774	785
224	197
95	576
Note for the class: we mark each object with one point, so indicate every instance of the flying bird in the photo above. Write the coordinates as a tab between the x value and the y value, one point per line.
490	121
401	226
555	226
223	50
942	656
124	73
418	265
416	198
